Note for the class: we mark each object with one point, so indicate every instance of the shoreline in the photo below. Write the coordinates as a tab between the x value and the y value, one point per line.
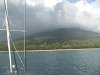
83	49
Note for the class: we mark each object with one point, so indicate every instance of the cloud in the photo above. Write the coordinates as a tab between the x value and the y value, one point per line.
46	3
88	15
44	15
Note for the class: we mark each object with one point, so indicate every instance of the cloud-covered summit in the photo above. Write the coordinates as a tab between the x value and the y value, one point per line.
50	14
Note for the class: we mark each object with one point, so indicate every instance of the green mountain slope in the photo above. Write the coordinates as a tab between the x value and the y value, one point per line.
63	39
63	34
59	39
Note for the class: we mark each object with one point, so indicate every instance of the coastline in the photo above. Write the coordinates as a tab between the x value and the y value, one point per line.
83	49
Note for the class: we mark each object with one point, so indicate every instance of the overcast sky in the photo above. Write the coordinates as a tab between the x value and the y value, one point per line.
44	15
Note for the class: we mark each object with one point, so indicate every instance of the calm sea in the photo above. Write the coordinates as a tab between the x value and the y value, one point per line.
57	63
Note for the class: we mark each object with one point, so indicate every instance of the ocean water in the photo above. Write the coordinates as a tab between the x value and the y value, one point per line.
57	63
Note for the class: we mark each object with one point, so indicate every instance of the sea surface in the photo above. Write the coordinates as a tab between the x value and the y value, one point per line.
78	62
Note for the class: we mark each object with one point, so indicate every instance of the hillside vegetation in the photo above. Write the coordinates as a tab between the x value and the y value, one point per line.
59	39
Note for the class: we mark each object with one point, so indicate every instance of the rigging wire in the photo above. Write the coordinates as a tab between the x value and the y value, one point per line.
17	53
25	67
9	39
24	64
17	71
8	35
13	44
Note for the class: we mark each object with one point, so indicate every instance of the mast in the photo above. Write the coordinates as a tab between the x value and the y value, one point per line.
8	35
